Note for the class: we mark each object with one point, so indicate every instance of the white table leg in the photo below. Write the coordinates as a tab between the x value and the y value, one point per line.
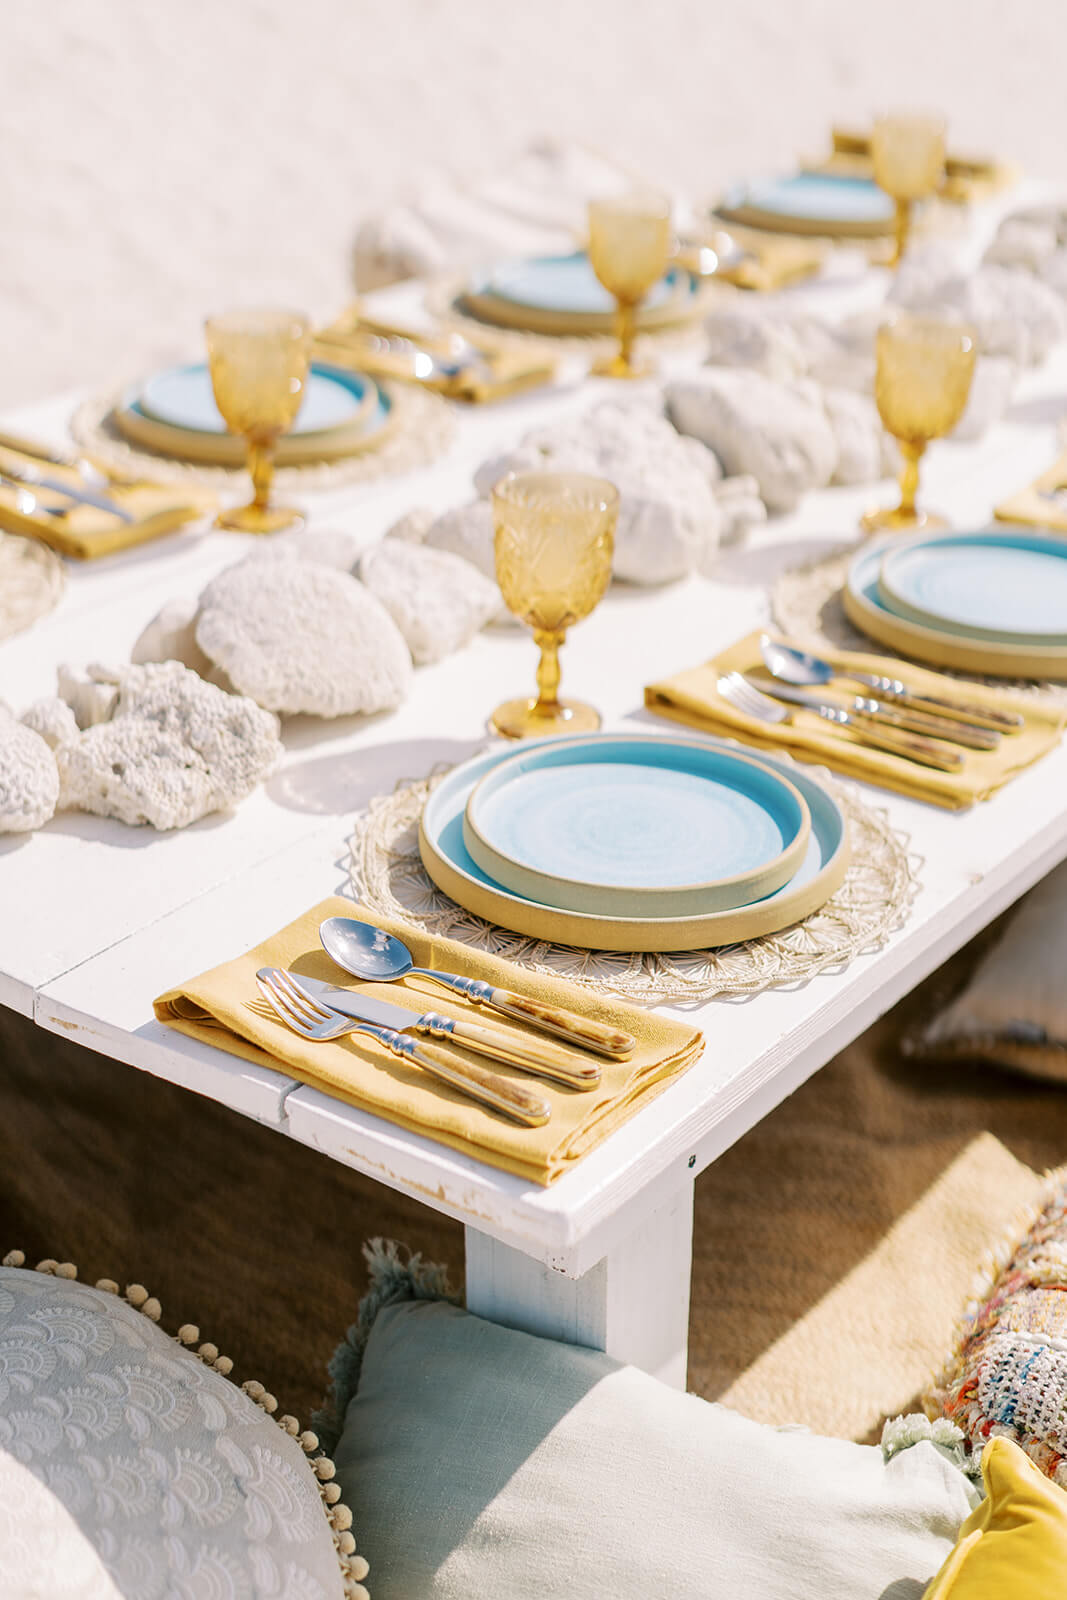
634	1304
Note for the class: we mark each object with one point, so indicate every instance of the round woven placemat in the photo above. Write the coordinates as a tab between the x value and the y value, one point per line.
806	607
421	428
386	875
32	578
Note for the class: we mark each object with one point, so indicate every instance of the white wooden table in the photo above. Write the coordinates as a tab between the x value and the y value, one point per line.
96	919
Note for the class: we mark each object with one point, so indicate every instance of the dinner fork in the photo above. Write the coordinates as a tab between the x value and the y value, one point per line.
313	1021
752	702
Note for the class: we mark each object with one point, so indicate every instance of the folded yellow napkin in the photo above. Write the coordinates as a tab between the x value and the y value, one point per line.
693	697
86	531
360	342
1039	505
223	1007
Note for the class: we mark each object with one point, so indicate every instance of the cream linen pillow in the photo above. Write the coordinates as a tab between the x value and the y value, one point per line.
1013	1012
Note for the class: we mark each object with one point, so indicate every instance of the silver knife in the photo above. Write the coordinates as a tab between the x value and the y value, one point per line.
895	715
538	1056
24	473
868	730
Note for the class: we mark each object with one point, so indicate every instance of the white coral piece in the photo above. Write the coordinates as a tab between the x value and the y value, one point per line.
53	720
1015	315
742	334
741	507
91	695
523	459
864	450
413	526
777	433
466	531
175	749
171	636
331	547
29	780
298	637
437	600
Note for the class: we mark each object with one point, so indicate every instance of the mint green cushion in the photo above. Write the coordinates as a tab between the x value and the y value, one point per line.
488	1463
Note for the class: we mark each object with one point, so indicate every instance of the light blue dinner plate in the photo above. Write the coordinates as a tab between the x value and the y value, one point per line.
564	283
633	826
1005	586
451	867
814	197
182	397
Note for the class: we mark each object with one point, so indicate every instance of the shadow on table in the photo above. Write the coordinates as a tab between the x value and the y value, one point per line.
1043	408
746	566
338	784
104	830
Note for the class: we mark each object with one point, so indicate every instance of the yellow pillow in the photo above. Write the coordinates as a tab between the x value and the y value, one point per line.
1014	1545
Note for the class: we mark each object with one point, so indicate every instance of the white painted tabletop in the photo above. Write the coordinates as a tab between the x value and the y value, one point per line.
97	918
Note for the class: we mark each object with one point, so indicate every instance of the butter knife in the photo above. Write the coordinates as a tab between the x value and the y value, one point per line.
24	473
868	730
534	1055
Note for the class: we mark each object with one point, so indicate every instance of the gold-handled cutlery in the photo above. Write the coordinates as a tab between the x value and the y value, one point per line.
805	670
312	1021
538	1056
753	702
369	952
887	713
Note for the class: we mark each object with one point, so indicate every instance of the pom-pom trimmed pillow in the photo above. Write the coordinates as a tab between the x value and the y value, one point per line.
131	1468
1008	1374
487	1462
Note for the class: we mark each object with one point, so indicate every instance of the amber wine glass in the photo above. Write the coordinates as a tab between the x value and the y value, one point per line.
922	379
629	246
259	366
555	536
908	153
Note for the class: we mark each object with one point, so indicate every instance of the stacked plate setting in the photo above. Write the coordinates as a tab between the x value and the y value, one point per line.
634	842
562	295
815	203
174	414
993	602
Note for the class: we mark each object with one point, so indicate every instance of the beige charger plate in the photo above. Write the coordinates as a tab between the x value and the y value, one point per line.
231	450
939	649
640	935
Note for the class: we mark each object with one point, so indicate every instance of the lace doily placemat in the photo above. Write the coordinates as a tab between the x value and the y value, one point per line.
386	874
444	300
32	578
806	607
420	430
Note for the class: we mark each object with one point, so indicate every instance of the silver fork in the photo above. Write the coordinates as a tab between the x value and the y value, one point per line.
752	702
313	1021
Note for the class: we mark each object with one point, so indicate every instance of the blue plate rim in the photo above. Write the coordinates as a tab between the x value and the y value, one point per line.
131	400
981	633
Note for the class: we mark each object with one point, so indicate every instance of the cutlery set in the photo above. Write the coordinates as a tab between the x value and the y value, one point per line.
323	1011
919	728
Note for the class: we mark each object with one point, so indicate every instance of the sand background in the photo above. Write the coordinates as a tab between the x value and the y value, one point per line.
162	160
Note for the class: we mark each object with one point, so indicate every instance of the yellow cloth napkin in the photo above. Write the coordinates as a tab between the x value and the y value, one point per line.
85	531
224	1008
1039	505
692	697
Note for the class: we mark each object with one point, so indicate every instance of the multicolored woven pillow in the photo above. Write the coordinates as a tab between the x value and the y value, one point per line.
1008	1374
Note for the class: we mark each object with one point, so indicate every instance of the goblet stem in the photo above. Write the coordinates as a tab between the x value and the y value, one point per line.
901	229
912	451
548	673
625	327
261	469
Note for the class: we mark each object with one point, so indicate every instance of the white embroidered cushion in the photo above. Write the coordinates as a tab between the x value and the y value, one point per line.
130	1470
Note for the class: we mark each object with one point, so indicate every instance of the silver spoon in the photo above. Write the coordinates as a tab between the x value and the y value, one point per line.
799	667
370	952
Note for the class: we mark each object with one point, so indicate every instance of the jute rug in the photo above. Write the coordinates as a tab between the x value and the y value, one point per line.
257	1239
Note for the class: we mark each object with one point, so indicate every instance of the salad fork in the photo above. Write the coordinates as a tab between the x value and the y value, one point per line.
313	1021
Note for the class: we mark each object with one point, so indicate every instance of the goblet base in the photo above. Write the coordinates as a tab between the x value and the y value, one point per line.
260	519
891	519
616	367
521	719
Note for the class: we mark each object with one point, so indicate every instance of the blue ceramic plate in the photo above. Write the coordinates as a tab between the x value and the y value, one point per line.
564	283
636	827
939	647
1005	586
450	866
814	197
182	398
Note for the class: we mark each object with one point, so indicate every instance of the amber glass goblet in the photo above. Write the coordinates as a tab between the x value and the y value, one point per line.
629	246
921	383
555	536
909	164
259	365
